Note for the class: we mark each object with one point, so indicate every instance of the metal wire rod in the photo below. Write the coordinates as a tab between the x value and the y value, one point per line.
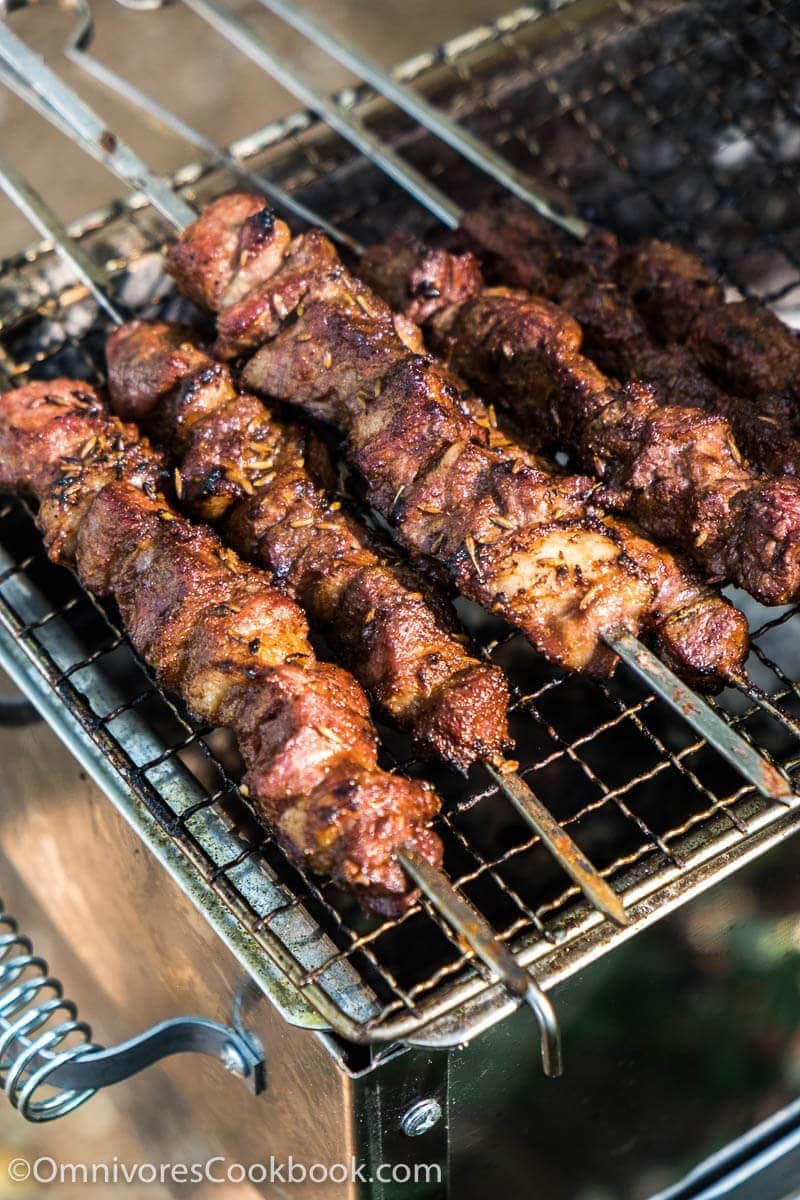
76	50
739	752
559	843
695	711
18	85
41	217
745	685
439	124
476	151
111	150
345	123
470	925
748	761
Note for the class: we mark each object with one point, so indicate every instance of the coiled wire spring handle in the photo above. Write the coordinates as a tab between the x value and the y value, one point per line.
43	1044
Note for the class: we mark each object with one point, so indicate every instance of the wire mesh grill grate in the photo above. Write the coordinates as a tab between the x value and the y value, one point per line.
669	119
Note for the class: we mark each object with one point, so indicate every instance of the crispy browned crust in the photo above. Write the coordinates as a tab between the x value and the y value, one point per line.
655	313
618	341
743	345
521	353
217	633
510	536
239	462
673	467
747	348
417	279
241	242
669	286
677	470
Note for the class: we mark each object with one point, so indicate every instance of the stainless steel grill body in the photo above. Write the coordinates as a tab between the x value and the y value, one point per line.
668	119
676	1042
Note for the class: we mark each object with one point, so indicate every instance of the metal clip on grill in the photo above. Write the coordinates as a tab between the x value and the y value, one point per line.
43	1045
26	74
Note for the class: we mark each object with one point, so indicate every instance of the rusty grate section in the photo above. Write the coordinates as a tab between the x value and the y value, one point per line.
657	118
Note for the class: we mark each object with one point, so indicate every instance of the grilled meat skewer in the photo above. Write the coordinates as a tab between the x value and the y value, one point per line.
695	630
676	470
742	343
263	479
219	635
654	313
525	542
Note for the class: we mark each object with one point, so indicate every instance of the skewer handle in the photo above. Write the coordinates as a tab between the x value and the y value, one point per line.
89	129
476	151
481	938
47	224
77	50
344	122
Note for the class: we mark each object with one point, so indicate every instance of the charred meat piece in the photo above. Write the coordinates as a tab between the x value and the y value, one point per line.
616	339
654	313
701	636
525	542
676	470
748	349
508	535
743	345
216	632
762	432
669	286
264	479
242	243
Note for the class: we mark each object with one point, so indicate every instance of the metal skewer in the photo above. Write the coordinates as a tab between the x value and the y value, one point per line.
747	760
476	151
449	131
33	75
76	50
345	123
481	938
560	844
80	38
31	205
